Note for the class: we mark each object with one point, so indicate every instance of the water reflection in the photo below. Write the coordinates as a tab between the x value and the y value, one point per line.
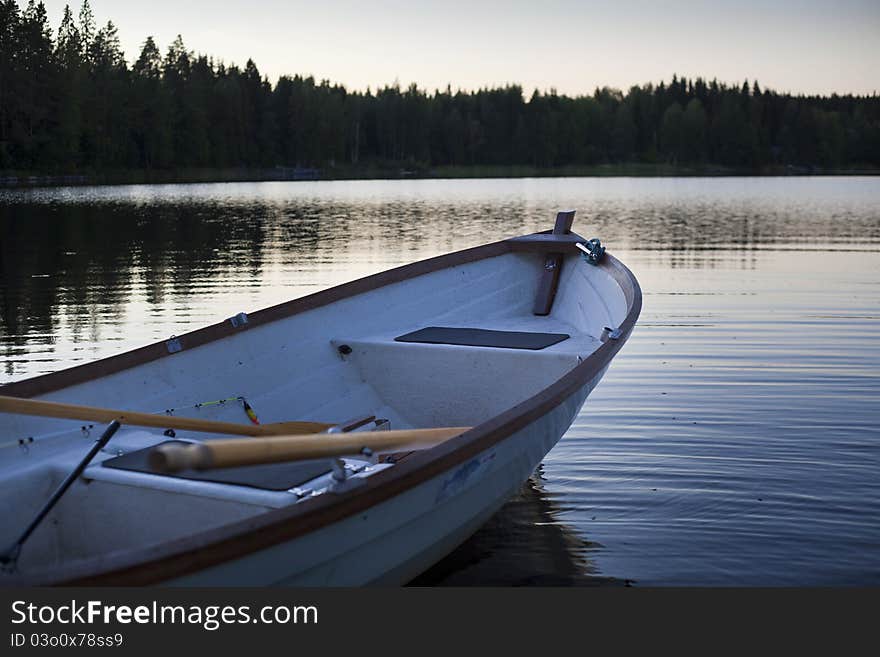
70	272
525	544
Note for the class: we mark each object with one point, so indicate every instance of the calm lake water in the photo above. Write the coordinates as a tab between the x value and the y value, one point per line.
734	441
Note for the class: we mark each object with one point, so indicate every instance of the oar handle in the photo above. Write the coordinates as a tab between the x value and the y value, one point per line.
235	452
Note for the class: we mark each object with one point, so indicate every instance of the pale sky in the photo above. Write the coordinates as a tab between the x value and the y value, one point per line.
802	46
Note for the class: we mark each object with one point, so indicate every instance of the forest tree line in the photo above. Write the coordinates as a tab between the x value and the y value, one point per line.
70	102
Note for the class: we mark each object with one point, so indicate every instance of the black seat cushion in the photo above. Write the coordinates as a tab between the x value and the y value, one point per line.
270	476
474	337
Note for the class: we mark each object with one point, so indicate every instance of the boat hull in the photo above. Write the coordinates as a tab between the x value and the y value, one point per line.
390	526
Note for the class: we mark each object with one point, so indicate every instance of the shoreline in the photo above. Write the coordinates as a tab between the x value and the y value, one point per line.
31	179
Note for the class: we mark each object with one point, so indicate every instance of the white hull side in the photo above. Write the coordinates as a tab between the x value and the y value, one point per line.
396	540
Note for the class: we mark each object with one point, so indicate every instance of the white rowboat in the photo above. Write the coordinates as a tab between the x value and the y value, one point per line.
494	349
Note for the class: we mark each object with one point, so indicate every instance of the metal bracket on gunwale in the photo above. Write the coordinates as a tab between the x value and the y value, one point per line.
239	320
593	251
610	334
173	345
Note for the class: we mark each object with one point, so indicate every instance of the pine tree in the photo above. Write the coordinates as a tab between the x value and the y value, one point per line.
86	30
151	131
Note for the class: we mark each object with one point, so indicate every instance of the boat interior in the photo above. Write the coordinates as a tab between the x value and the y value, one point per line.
449	348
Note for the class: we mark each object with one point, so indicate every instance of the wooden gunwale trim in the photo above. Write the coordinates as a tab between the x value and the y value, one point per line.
193	553
546	243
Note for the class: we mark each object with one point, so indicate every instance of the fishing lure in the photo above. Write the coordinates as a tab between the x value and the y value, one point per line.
250	412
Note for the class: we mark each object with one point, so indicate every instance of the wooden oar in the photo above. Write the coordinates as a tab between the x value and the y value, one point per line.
236	452
93	414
